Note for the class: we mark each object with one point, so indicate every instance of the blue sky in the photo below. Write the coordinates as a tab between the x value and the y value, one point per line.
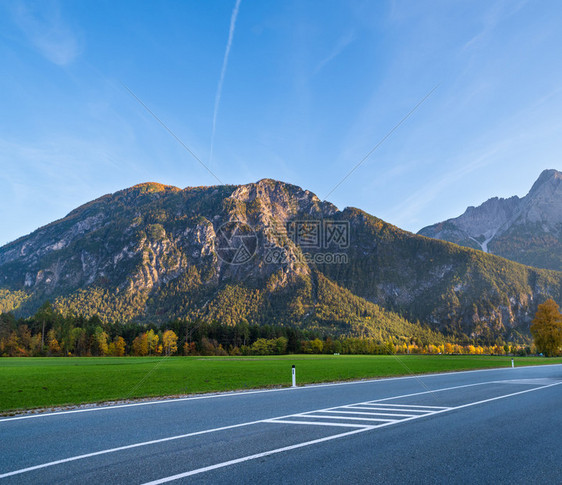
308	89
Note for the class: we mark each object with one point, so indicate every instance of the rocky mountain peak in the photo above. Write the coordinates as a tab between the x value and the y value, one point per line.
548	179
281	200
486	219
527	230
272	190
543	204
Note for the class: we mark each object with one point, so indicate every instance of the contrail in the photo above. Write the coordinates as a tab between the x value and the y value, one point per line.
223	72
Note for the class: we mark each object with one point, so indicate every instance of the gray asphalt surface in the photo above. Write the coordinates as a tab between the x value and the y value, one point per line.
471	427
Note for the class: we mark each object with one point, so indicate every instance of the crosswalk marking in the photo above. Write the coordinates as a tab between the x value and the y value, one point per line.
370	413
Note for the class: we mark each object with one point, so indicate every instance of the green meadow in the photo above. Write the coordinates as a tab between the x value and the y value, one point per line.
36	382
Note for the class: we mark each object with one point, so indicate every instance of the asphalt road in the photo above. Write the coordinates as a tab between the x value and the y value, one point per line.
467	427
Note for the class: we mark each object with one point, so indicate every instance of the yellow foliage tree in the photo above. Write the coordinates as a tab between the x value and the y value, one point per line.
54	347
100	346
170	342
117	347
140	345
152	339
547	328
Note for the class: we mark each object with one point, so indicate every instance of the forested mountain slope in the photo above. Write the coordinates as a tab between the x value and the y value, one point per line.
267	252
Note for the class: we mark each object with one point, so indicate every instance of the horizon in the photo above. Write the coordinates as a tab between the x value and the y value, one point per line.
459	102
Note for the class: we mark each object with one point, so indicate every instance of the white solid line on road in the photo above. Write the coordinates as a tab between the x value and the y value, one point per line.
257	455
529	382
309	443
319	423
462	406
122	448
261	391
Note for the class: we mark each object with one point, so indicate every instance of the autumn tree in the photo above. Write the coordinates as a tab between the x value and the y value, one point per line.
99	342
260	347
140	345
54	347
120	346
547	328
13	345
35	344
190	348
152	339
117	347
170	342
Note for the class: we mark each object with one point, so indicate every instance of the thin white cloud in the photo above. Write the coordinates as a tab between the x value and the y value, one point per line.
342	43
223	72
45	29
497	13
406	213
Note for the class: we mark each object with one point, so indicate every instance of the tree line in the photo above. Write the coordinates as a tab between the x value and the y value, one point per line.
49	333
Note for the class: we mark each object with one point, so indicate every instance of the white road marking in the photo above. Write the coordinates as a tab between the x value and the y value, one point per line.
529	382
269	420
343	413
323	416
122	448
309	443
373	408
418	406
373	414
257	455
187	435
318	423
261	391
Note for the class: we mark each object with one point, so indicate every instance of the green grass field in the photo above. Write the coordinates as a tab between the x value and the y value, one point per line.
43	382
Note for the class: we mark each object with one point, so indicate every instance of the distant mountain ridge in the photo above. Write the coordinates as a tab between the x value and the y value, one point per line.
527	230
155	252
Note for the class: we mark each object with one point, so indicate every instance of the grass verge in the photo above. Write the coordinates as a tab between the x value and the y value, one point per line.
27	383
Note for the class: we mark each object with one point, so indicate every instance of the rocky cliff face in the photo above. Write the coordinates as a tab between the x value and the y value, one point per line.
268	252
527	230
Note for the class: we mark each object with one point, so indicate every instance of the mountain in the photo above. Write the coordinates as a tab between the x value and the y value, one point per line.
527	230
267	252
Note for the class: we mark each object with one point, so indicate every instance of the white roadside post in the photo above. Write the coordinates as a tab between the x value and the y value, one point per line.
512	363
294	377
